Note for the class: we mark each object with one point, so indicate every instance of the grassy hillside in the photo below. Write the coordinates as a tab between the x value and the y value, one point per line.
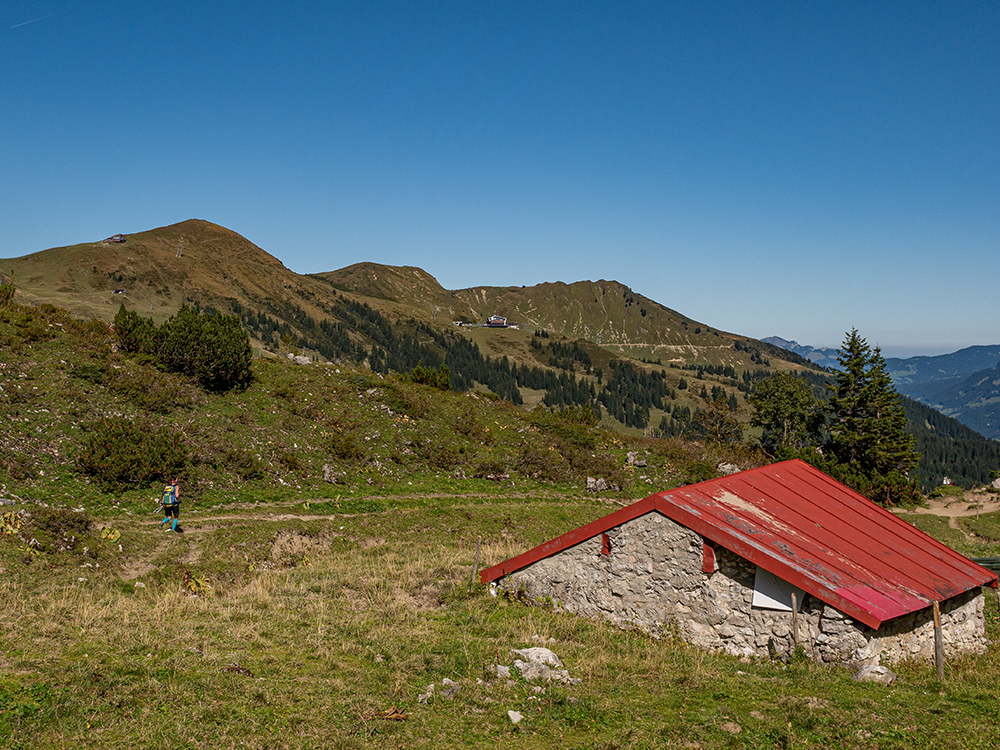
382	318
153	272
294	612
62	381
197	262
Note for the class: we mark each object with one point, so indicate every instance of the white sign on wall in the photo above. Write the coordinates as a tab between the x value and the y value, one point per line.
771	592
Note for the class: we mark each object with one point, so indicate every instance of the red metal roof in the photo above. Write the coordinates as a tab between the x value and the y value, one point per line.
808	529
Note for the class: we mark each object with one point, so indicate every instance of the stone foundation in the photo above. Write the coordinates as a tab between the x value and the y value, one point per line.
652	579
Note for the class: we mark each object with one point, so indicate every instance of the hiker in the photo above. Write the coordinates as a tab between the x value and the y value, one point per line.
171	503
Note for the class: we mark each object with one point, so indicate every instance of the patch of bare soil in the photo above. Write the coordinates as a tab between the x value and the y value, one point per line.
969	504
290	547
139	567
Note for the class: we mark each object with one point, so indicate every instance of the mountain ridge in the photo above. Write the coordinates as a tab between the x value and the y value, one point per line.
398	316
825	356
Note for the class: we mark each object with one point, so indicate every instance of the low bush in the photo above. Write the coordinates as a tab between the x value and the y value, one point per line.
440	379
150	389
59	522
15	465
543	464
698	470
244	463
574	424
6	294
441	454
947	490
344	447
493	470
119	454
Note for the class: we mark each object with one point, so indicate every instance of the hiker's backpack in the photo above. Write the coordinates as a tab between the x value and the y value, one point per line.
169	496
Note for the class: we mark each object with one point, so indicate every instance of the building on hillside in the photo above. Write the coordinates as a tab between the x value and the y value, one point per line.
720	563
117	238
496	321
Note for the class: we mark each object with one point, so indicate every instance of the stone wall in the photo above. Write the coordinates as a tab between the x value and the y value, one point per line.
652	579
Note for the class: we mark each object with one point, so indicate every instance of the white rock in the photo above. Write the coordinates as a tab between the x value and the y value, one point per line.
538	655
875	673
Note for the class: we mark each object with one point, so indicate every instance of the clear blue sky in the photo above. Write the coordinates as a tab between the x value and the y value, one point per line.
765	168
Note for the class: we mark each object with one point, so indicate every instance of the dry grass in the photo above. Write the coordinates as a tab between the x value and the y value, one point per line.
357	622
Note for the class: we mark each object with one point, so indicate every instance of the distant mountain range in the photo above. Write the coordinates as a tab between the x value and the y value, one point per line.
824	356
973	399
964	385
914	370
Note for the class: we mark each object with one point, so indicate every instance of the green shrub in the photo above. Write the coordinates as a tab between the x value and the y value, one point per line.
88	371
135	334
441	454
466	423
574	424
32	326
93	333
586	462
344	447
698	471
59	522
244	463
16	465
120	454
150	389
407	401
212	349
491	470
289	461
440	379
947	490
6	294
542	463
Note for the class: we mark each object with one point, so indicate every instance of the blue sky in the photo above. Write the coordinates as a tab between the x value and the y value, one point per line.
765	168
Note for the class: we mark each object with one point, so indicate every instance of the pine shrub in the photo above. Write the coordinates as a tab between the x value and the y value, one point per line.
212	349
119	454
6	294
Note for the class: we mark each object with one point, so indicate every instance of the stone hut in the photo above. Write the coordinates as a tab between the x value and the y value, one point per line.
720	564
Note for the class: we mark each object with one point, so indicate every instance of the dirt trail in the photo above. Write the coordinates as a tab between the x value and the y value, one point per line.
969	504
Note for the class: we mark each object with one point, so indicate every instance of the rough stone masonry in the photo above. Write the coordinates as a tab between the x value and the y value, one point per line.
652	579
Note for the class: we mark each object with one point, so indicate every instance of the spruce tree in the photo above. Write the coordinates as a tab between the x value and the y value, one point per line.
891	447
868	437
847	410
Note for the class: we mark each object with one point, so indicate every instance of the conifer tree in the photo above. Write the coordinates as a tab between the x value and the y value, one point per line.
867	426
891	447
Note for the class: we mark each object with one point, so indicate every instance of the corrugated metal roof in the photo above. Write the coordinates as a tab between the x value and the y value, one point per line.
803	526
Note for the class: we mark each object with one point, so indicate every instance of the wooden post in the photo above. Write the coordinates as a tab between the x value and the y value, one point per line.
475	566
795	621
938	642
